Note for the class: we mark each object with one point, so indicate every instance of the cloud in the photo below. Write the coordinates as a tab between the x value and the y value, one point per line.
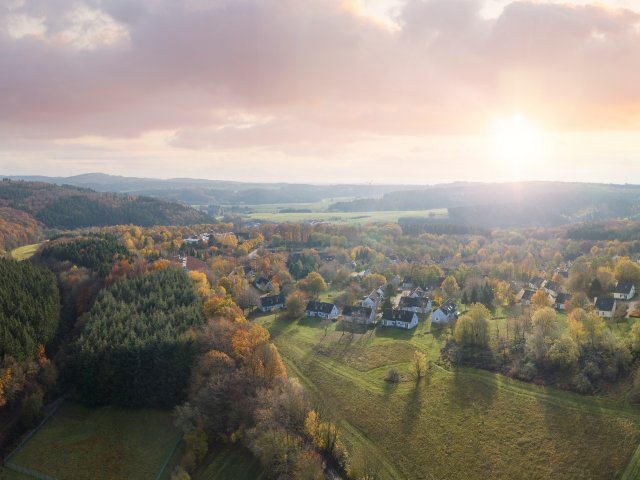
320	71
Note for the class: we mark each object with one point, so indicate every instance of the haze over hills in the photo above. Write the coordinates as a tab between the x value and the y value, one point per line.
478	204
195	191
75	207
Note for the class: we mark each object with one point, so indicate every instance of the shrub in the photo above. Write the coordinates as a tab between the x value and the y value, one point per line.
393	376
581	383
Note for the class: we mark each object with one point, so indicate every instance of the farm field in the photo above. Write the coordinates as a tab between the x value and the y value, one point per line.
462	423
345	217
103	443
25	252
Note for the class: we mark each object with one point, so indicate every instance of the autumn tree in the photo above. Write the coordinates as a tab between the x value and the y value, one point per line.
473	327
419	364
540	299
627	271
564	352
450	287
374	280
313	284
295	303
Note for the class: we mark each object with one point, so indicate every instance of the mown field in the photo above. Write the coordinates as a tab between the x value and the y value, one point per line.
104	443
25	252
462	423
344	217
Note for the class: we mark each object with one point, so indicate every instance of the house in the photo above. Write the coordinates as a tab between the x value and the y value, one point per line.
624	291
415	304
418	293
399	318
605	306
524	296
191	264
561	300
445	313
407	283
358	314
263	284
550	287
271	303
321	310
371	301
535	283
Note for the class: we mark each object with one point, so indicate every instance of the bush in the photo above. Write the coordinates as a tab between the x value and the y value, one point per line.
524	371
393	376
580	383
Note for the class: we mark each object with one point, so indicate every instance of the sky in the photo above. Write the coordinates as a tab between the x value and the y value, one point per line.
322	91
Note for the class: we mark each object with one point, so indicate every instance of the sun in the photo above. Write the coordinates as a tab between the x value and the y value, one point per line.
517	141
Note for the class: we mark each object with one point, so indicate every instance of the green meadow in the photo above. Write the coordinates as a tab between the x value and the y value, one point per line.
461	423
102	443
274	215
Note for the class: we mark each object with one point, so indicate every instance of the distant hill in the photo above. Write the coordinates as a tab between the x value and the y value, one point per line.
70	206
219	192
511	204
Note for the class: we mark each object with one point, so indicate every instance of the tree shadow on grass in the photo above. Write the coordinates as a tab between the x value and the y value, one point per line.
395	333
471	393
413	406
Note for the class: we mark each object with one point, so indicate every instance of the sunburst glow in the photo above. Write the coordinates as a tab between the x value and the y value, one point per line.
517	141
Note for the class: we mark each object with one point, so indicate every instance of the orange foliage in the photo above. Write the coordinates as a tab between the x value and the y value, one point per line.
246	341
216	306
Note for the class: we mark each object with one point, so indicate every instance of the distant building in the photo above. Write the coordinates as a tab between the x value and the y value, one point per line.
605	306
321	310
415	304
359	314
271	303
447	312
624	291
561	300
399	318
524	296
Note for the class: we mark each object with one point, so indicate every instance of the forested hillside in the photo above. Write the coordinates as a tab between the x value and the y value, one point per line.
73	207
17	228
511	204
135	349
29	309
97	253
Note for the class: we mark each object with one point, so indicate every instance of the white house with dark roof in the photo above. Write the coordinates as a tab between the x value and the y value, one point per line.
561	300
415	304
624	291
321	310
605	306
399	318
359	314
447	312
271	303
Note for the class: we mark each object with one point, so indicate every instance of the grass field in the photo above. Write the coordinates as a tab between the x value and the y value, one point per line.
25	252
345	217
457	424
230	464
105	443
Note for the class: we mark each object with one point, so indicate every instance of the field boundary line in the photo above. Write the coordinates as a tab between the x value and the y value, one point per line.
169	457
54	406
633	467
28	471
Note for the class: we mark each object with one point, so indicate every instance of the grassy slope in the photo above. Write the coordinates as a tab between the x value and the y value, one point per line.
25	252
105	443
456	424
